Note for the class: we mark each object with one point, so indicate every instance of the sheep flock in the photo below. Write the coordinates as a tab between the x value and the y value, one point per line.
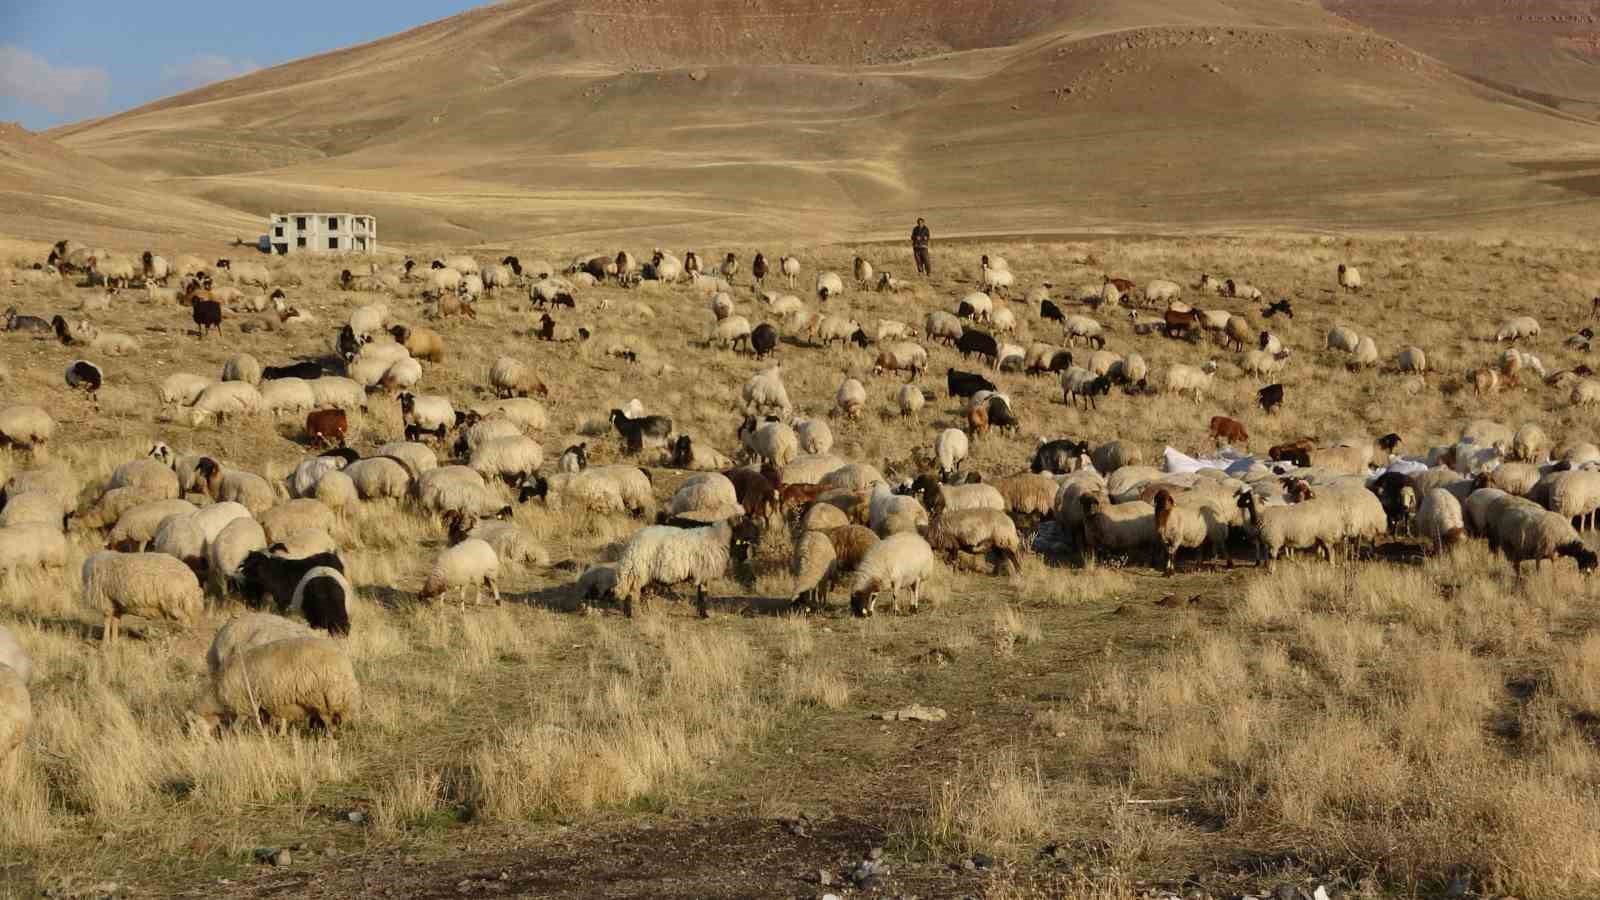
277	464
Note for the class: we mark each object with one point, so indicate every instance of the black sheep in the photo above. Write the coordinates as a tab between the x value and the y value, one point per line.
59	325
763	340
514	263
263	573
306	370
860	338
324	604
973	342
634	431
1049	311
85	376
1000	414
348	343
1058	456
1278	306
965	384
1270	397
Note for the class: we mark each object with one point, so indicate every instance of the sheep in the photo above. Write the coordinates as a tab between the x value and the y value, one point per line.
1343	338
15	658
721	306
829	285
814	565
454	488
420	343
1584	393
1366	352
34	508
976	531
1183	379
182	388
849	400
942	327
1261	364
1524	532
1161	290
108	509
1412	359
773	442
1078	382
641	432
890	330
33	545
1300	526
765	391
603	489
1530	443
950	449
337	392
512	458
1180	527
663	555
910	399
295	515
512	544
730	332
1090	330
1131	370
1241	290
138	525
524	412
291	395
548	330
242	367
24	425
291	680
901	357
707	497
427	414
893	564
1575	494
149	585
890	513
1439	519
16	712
814	434
150	476
247	489
224	399
228	551
243	632
1517	328
179	537
379	477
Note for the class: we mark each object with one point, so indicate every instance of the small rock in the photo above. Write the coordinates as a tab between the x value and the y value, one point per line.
282	858
969	865
698	75
875	854
823	878
356	817
916	712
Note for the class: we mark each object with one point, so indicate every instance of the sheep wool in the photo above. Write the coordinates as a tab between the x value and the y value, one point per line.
16	712
25	426
667	556
1440	519
150	585
471	562
242	632
14	657
976	530
813	567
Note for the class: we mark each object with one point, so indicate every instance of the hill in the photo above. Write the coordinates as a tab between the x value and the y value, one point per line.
544	119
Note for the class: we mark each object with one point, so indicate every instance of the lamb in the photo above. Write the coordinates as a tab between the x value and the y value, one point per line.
1182	379
471	562
765	391
33	545
149	585
1349	278
420	343
603	489
663	555
773	442
893	564
910	399
976	531
849	400
790	266
23	425
1439	519
843	330
1517	328
950	448
290	680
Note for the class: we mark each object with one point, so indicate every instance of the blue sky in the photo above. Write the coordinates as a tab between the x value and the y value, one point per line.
65	60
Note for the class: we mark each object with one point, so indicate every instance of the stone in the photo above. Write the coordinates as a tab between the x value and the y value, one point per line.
282	858
356	817
875	854
699	75
916	712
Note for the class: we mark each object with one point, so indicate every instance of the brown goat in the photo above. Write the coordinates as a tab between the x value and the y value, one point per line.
1226	430
327	426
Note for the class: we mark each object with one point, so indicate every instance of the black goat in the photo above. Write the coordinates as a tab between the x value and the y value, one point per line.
1050	312
965	384
973	342
1270	397
306	370
657	429
763	340
18	322
1000	414
1278	306
264	573
86	376
323	602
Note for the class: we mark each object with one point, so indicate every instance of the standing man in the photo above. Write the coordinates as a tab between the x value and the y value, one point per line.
919	248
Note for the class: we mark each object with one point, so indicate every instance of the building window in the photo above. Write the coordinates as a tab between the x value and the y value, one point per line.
278	231
300	242
333	243
300	223
361	243
333	224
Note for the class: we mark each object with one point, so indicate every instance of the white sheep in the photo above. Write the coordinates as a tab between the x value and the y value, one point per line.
1343	338
1085	327
242	632
457	488
16	713
291	680
237	540
510	377
603	489
286	395
1517	328
910	399
894	564
183	388
1349	278
1525	532
15	658
773	442
1182	379
224	399
730	332
814	434
511	458
32	546
338	392
978	305
849	400
1366	352
379	478
707	497
1439	518
942	327
662	555
765	391
242	367
1412	359
136	526
149	585
950	449
471	562
890	513
25	425
829	285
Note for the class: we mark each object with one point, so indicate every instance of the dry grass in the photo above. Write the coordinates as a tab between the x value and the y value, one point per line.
1358	713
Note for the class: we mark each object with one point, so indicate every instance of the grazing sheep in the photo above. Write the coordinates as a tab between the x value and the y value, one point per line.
950	449
1118	527
1412	359
33	545
976	531
895	563
513	458
291	680
603	489
764	391
149	476
512	544
849	400
1090	330
1517	328
286	518
1078	382
1241	290
1366	352
25	426
1343	338
232	545
224	399
149	585
1530	443
512	378
323	596
1525	532
829	284
910	399
901	357
472	562
242	367
663	555
248	630
1300	526
774	443
942	327
890	513
696	455
1439	519
1182	379
814	434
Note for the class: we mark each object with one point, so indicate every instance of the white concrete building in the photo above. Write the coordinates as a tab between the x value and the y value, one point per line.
322	232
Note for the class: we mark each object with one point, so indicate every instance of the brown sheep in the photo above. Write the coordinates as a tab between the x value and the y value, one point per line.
421	343
1226	430
327	426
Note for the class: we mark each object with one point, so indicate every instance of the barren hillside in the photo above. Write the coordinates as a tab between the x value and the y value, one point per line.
691	120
